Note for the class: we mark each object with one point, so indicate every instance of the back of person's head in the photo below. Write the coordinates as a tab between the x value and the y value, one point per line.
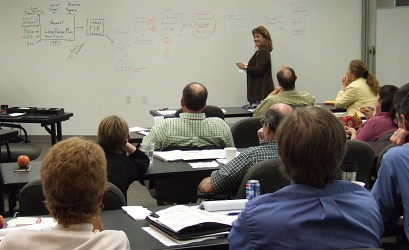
386	94
112	134
286	78
401	102
74	177
195	96
359	69
264	32
311	144
275	114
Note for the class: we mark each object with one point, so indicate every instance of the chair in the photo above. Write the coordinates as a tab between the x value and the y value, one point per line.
378	162
210	111
31	199
385	137
361	153
244	132
16	149
268	173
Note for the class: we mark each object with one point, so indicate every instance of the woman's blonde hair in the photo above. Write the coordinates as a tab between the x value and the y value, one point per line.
74	177
112	134
359	69
264	32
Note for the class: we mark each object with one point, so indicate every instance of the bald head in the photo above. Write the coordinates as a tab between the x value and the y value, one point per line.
283	108
286	78
194	96
276	113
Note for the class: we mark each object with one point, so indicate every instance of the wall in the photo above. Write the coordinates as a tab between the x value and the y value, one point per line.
89	56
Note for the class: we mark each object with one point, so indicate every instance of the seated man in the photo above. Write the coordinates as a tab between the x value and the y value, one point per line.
285	93
316	211
192	129
391	189
228	178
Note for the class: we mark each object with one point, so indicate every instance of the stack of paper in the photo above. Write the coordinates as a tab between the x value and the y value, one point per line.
177	155
183	223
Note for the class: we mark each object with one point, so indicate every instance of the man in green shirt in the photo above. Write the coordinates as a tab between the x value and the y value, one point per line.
285	93
192	129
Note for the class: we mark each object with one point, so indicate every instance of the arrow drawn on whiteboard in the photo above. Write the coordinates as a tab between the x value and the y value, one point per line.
79	27
112	40
38	41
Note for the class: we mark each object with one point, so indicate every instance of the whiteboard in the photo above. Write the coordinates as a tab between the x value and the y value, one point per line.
392	51
89	56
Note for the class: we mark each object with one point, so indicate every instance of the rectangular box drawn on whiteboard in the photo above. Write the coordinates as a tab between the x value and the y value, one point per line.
57	27
95	27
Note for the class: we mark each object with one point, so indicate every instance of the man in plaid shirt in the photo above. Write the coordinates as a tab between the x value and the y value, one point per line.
228	178
193	128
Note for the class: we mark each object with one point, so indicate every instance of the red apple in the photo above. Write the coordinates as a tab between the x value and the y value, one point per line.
1	221
23	161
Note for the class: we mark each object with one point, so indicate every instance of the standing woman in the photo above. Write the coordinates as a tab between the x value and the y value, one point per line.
259	78
359	88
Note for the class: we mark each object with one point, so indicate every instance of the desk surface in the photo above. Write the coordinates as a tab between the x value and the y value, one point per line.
230	112
34	118
15	180
165	169
139	239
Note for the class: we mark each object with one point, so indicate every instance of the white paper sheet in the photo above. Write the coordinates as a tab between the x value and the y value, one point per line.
137	129
166	112
212	164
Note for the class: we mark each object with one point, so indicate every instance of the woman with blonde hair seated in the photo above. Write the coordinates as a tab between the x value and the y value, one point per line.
74	180
359	88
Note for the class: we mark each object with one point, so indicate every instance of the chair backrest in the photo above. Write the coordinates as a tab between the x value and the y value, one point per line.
385	137
361	153
378	162
31	199
210	111
244	132
113	198
268	173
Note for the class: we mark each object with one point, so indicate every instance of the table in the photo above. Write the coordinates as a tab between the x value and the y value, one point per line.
332	108
12	181
139	239
6	135
230	112
51	123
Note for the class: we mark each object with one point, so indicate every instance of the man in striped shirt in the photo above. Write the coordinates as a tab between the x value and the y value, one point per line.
228	178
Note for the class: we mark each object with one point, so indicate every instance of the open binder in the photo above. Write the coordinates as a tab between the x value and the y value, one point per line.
185	223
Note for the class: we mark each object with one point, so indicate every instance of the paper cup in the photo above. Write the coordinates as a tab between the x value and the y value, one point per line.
230	153
158	119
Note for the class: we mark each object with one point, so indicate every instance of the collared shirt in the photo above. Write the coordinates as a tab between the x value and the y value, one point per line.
290	97
190	130
341	215
376	127
391	189
356	95
229	176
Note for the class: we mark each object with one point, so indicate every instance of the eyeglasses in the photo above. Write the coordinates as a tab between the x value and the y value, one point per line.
263	121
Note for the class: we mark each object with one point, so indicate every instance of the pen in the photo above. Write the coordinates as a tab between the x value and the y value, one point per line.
154	215
161	109
233	213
